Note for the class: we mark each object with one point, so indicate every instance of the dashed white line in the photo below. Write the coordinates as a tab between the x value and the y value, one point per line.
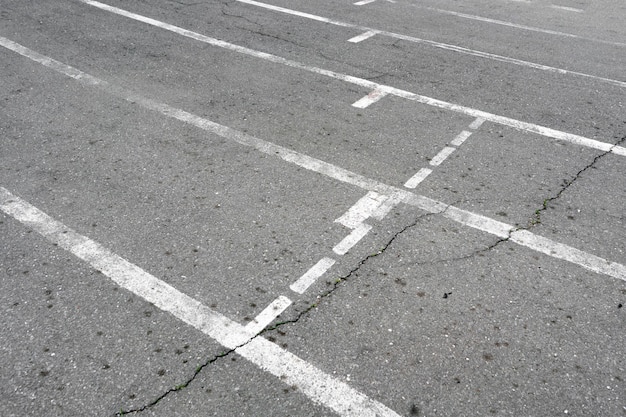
352	239
363	2
416	179
370	99
290	369
363	36
442	155
361	210
310	276
568	9
265	317
477	123
460	138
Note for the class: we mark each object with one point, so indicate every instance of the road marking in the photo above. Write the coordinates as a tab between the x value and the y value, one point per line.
352	239
265	317
460	138
477	123
569	9
361	210
369	99
416	179
324	168
440	45
290	369
506	121
442	155
363	2
310	276
363	36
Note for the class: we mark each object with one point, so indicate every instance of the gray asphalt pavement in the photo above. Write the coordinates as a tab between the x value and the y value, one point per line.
296	208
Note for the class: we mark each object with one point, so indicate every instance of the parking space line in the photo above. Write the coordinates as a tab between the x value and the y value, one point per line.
363	2
369	99
265	317
352	239
568	9
310	276
289	368
315	165
363	36
440	45
461	138
416	179
361	210
505	121
442	156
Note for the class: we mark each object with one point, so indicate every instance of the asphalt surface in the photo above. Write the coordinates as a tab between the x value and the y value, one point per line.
317	208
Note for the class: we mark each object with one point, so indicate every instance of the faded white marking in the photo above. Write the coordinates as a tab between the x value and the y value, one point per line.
315	384
369	99
361	210
310	276
265	317
460	138
416	179
477	123
442	155
568	9
352	239
387	206
363	36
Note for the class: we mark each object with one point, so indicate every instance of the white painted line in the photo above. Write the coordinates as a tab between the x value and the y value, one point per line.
363	36
477	123
361	210
386	206
363	2
416	179
315	165
369	99
315	384
461	137
442	155
440	45
265	317
568	9
310	276
352	239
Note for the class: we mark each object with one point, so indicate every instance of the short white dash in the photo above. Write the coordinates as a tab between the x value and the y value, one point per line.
387	206
461	137
363	36
352	239
369	99
416	179
363	2
569	9
361	210
265	317
477	123
441	156
316	271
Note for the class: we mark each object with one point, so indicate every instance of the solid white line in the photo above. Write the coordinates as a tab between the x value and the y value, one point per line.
442	155
460	138
477	123
317	385
315	165
361	210
352	239
265	317
440	45
569	9
363	2
416	179
310	276
369	99
363	36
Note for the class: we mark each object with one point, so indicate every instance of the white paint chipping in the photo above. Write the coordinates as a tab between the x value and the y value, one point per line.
477	123
352	239
361	210
460	138
363	36
310	276
369	99
265	317
442	155
567	9
318	386
416	179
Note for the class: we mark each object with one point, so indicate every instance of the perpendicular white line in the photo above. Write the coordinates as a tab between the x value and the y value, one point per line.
442	155
416	179
361	210
440	45
352	239
569	9
304	161
317	385
363	36
384	209
529	127
265	317
460	138
310	276
477	123
369	99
